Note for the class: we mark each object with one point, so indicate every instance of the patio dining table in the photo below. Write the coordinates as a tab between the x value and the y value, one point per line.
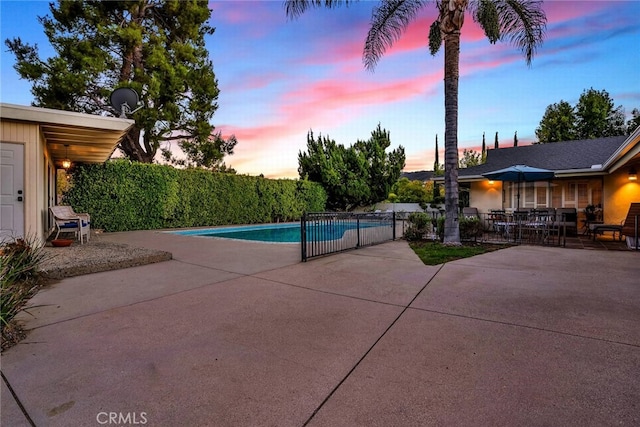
512	230
505	228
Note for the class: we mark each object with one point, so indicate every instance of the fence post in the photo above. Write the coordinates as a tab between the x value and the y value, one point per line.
358	230
393	224
303	236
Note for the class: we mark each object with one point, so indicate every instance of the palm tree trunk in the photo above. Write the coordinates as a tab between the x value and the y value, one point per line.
451	67
451	20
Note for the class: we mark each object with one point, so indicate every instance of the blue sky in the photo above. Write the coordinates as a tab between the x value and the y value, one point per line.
281	78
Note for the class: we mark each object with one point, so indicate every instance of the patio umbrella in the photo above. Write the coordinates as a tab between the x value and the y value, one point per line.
520	173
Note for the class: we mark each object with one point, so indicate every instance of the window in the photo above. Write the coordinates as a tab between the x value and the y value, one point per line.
533	195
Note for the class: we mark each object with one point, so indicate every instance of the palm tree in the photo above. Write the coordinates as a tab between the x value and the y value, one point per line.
521	22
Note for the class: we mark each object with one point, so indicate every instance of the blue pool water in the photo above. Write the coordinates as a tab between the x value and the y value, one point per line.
278	233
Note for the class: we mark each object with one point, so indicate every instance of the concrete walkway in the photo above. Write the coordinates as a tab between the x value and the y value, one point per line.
242	334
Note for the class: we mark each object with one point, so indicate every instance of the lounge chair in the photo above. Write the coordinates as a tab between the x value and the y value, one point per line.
629	226
65	219
596	229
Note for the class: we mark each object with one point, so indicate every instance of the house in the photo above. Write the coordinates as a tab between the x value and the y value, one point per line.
34	142
600	172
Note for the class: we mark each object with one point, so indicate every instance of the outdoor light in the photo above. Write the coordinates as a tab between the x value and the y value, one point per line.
633	175
66	163
491	182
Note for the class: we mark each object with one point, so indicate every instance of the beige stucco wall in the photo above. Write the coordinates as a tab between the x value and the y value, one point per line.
618	194
35	173
485	196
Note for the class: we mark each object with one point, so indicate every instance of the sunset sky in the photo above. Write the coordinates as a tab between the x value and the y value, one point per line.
281	78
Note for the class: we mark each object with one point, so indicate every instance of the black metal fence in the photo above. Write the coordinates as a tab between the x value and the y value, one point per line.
324	233
530	228
527	228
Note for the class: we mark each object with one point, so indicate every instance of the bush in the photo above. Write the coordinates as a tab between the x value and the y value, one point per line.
19	261
440	227
122	195
420	220
470	228
420	224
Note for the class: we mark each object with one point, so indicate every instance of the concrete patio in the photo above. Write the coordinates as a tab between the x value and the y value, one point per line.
232	333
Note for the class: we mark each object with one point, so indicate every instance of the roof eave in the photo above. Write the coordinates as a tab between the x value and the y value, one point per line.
60	117
627	150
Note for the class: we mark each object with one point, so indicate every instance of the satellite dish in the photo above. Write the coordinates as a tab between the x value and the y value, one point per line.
124	99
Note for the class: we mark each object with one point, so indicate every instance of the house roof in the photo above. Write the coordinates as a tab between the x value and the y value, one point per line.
418	175
566	157
90	138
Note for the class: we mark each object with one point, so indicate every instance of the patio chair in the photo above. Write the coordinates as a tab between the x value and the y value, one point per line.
538	229
66	219
470	212
567	217
496	220
629	226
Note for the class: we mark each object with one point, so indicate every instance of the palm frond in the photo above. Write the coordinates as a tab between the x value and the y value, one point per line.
295	8
388	22
523	23
485	13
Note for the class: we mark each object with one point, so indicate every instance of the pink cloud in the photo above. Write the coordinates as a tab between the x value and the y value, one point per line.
252	81
337	94
415	37
335	102
235	12
422	160
561	11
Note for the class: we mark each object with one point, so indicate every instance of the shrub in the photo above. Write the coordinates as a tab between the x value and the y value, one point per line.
19	261
440	227
470	228
420	220
420	224
122	195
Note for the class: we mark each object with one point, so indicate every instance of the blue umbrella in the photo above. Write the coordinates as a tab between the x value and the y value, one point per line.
520	173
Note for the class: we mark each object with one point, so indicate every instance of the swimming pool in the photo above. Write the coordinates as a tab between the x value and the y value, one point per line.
279	233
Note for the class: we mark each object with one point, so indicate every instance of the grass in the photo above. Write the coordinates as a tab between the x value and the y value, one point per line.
434	253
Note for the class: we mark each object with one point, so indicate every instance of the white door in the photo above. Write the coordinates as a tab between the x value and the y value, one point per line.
11	190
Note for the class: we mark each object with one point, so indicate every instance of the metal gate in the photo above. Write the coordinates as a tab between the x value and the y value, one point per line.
324	233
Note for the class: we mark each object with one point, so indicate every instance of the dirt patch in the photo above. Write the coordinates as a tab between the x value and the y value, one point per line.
95	256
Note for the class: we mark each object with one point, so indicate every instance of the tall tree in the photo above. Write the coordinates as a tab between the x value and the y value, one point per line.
436	163
153	46
470	158
496	145
521	22
594	116
413	192
515	139
359	175
597	117
634	121
557	124
208	154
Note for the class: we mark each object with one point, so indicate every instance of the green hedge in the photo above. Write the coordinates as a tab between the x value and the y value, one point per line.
121	195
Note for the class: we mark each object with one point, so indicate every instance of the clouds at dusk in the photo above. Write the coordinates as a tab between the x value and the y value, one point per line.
280	78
